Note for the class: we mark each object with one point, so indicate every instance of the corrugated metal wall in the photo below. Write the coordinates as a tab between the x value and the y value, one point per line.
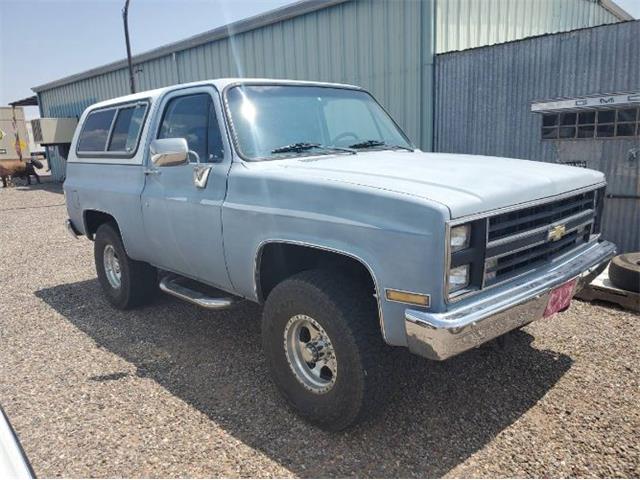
464	24
385	46
483	105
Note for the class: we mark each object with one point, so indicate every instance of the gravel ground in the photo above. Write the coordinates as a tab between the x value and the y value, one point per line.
170	390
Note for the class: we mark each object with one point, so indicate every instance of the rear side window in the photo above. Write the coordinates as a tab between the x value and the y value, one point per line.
113	131
127	128
95	131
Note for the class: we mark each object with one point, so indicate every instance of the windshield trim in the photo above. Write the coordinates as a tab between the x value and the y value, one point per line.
232	127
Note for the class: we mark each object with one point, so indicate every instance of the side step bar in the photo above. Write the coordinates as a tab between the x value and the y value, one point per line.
170	284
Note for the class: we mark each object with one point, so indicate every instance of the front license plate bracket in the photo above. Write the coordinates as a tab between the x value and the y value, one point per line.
560	298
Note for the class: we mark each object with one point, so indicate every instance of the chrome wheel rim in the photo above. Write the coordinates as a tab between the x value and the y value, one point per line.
112	266
310	354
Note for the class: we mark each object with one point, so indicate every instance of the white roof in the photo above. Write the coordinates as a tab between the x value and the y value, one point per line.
219	83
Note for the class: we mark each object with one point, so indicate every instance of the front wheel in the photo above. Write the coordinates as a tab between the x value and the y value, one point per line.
324	348
127	283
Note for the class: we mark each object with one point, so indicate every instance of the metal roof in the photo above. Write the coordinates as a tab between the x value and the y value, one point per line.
225	31
274	16
31	101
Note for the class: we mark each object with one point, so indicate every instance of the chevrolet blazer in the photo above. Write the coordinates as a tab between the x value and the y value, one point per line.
309	199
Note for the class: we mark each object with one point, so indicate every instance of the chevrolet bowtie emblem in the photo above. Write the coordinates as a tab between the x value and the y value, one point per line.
556	232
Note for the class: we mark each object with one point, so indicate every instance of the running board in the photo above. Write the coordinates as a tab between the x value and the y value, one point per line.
170	284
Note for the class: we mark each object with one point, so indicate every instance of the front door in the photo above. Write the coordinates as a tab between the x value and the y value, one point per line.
182	205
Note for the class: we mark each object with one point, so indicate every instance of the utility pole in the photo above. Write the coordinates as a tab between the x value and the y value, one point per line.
125	15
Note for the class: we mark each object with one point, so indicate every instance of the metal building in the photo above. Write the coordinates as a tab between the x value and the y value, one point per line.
386	46
13	134
567	98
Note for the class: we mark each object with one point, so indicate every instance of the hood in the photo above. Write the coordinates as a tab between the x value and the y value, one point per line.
465	184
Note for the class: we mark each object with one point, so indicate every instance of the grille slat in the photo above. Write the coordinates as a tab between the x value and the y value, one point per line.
510	223
539	251
530	239
538	257
537	235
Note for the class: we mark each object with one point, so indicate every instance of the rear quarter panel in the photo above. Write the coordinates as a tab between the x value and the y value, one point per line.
112	186
112	189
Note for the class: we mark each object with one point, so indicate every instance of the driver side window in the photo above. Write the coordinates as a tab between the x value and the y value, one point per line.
193	118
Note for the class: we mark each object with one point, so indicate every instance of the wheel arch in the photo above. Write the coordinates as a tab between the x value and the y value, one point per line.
93	218
264	281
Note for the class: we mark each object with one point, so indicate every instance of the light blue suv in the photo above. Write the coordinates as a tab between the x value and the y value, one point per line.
308	198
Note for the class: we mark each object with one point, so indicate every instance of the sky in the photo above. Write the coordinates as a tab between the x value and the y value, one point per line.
631	6
44	40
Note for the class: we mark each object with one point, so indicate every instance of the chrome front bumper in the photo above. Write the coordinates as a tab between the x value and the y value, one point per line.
439	336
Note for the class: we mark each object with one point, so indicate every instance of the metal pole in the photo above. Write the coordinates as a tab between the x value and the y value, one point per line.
125	14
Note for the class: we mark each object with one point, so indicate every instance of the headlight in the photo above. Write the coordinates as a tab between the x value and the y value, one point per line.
467	250
458	277
460	237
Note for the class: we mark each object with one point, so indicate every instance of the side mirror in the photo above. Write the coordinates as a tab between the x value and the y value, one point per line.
169	152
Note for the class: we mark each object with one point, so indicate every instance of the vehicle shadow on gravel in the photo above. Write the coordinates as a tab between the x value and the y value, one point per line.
440	414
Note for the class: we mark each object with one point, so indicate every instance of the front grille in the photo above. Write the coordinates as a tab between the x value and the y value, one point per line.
510	223
520	240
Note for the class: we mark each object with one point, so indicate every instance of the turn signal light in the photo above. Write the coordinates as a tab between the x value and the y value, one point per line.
408	297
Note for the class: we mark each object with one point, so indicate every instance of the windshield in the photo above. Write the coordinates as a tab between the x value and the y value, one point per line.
279	120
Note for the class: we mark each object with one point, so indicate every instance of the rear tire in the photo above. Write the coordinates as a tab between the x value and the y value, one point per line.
341	315
624	271
127	283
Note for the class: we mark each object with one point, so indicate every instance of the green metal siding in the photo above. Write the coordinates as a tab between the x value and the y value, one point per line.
385	46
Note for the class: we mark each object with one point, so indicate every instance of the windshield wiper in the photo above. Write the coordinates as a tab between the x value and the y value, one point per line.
379	143
305	146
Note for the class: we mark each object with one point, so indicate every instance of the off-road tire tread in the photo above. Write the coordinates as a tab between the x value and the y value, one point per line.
357	308
139	279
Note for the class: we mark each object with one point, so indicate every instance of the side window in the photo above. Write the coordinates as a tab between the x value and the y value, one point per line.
127	128
93	137
193	118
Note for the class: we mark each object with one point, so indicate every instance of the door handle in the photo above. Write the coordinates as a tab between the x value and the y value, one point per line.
152	171
201	175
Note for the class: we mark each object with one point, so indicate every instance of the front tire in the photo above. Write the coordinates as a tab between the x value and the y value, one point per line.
127	283
324	348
